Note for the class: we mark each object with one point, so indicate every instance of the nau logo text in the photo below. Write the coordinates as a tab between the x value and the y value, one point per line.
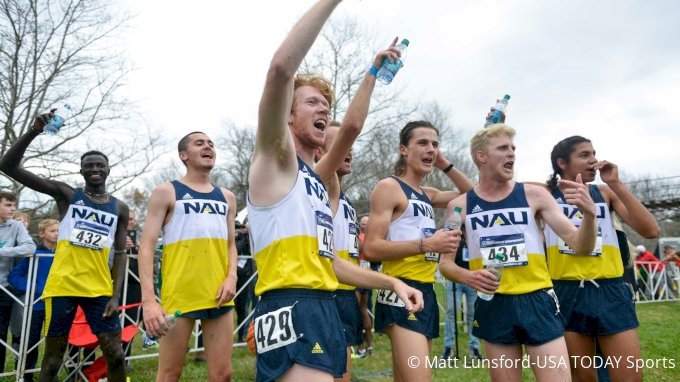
205	208
570	212
92	215
317	190
350	214
499	218
423	209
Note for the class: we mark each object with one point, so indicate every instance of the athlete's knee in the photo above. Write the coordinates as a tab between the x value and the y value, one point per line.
222	375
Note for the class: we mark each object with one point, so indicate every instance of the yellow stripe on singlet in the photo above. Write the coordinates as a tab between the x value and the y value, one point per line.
576	267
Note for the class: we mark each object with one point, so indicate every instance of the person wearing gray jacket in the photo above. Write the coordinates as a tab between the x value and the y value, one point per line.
14	243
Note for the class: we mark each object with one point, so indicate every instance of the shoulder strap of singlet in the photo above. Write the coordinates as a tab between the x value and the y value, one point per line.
411	193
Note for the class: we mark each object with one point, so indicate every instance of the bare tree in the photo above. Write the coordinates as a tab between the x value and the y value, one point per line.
53	52
236	145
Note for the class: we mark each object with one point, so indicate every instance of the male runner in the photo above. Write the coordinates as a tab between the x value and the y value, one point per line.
500	218
199	263
92	222
297	328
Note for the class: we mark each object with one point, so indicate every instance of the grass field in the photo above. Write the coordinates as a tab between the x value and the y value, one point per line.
659	333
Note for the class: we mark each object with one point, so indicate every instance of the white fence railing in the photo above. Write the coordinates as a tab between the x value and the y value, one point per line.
657	282
73	366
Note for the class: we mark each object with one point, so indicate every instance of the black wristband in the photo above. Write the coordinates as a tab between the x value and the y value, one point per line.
448	168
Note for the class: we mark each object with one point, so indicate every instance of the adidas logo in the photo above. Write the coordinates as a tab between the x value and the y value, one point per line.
317	349
187	196
560	201
477	209
412	317
413	196
475	324
80	203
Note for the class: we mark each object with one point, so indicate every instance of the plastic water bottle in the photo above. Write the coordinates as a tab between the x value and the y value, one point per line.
171	320
454	221
60	116
496	114
495	267
388	71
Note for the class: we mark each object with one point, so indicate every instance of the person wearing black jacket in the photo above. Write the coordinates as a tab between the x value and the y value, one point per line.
245	270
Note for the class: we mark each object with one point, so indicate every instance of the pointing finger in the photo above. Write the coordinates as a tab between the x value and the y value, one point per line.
578	179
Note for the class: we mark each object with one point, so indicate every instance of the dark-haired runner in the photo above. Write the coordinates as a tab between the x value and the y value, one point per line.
596	303
92	224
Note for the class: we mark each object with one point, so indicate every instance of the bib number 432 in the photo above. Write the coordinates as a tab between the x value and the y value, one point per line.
274	330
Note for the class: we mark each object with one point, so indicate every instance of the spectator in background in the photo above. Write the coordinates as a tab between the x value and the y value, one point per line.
244	301
24	219
650	270
365	296
14	242
462	260
18	279
670	255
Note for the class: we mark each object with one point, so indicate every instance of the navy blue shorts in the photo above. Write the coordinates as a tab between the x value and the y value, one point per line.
320	341
425	322
363	290
350	315
529	319
60	312
208	314
597	311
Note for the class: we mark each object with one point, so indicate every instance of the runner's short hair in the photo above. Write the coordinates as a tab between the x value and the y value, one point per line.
480	140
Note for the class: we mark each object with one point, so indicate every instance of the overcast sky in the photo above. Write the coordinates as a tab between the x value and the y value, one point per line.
607	70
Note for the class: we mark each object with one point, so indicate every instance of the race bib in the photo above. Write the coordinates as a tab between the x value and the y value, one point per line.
324	234
597	251
466	255
388	297
274	330
430	256
365	264
353	241
89	235
512	247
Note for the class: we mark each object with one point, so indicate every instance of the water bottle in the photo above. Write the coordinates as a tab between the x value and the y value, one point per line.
496	114
454	221
495	267
60	116
388	71
171	320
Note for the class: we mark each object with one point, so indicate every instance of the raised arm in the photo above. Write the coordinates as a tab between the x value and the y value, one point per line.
10	164
159	204
581	239
441	199
384	201
354	119
227	289
119	255
274	158
625	204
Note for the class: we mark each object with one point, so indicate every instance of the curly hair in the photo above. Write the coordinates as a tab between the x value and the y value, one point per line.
317	81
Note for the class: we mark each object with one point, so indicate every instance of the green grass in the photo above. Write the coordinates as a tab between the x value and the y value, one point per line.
659	333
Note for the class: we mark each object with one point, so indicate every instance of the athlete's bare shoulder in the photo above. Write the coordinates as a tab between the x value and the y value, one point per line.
231	198
122	208
164	193
537	184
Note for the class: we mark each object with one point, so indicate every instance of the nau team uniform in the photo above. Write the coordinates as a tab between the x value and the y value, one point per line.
346	232
195	261
80	274
417	271
296	319
524	309
594	299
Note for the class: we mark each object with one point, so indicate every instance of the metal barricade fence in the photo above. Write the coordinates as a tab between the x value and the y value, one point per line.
657	282
28	303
